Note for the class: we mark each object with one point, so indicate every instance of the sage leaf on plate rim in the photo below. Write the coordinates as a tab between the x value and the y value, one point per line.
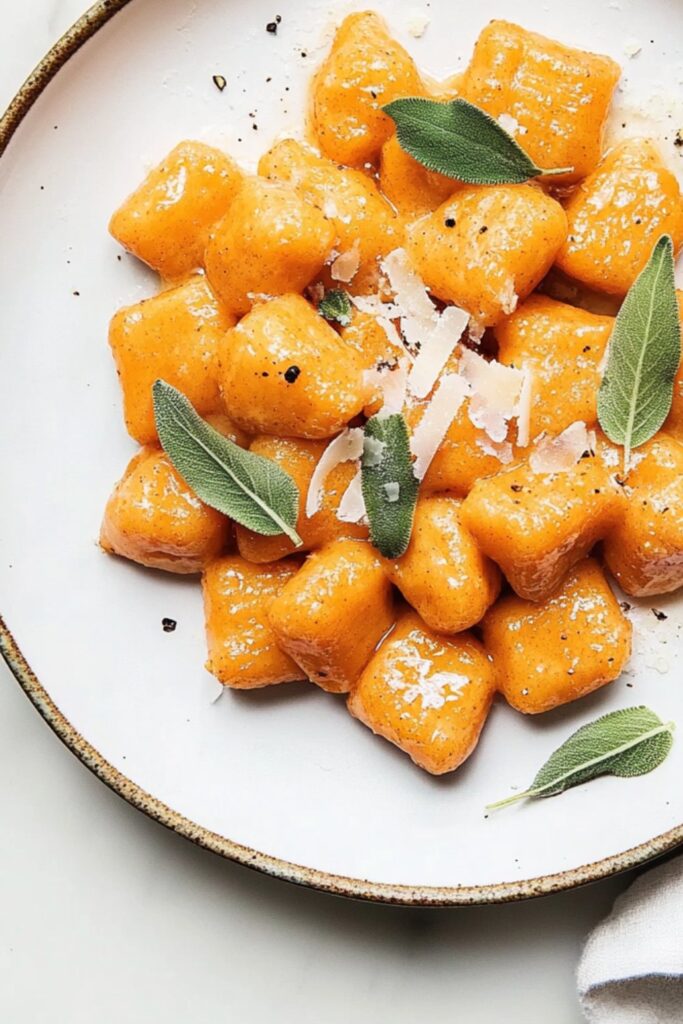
336	305
628	742
462	141
247	487
644	354
389	483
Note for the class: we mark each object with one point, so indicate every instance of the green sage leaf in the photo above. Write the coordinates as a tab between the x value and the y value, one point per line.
336	305
250	489
644	353
628	742
389	484
461	141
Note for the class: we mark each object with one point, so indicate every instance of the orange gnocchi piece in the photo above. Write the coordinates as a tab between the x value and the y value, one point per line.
285	371
427	694
644	551
562	348
364	223
553	98
166	221
536	526
365	70
243	653
616	216
334	612
487	248
272	242
153	518
443	574
569	645
175	336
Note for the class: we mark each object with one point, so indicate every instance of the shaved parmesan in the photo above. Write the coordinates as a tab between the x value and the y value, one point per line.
392	491
496	391
508	298
418	22
345	267
348	445
373	450
559	454
511	125
389	385
352	507
411	296
503	452
437	345
436	420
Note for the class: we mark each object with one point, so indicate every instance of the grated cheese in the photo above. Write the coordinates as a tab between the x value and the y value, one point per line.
389	385
437	345
436	420
352	506
503	452
418	22
345	267
496	391
561	453
392	491
373	450
346	446
511	125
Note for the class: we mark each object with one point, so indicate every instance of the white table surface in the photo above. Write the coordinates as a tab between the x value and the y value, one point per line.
105	916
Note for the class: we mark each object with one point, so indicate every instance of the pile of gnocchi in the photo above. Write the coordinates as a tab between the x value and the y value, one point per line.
348	280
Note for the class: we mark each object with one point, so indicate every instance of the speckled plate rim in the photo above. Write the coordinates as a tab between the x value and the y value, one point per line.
72	40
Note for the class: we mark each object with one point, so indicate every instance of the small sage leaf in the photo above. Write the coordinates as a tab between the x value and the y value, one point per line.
644	352
249	488
389	484
628	742
461	141
336	305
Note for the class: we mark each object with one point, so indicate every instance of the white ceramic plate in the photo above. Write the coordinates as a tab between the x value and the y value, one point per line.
283	779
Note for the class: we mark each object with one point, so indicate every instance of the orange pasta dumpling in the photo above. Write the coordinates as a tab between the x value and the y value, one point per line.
166	221
426	693
154	518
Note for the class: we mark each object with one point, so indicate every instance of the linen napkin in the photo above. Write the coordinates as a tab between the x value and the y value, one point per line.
631	969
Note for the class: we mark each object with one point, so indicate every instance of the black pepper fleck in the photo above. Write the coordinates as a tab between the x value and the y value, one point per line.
625	606
291	374
272	27
678	141
76	294
220	82
660	616
168	625
304	54
483	229
450	222
516	488
586	348
265	373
